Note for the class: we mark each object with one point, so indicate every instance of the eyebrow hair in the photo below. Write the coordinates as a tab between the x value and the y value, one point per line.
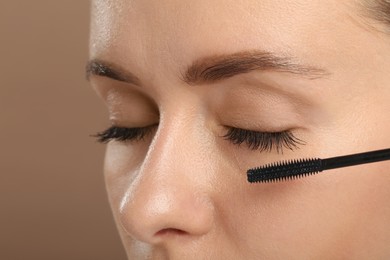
216	68
106	69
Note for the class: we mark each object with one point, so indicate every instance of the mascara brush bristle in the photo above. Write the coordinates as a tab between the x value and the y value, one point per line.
286	170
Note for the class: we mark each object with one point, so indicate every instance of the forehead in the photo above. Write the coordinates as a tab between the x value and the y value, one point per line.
162	33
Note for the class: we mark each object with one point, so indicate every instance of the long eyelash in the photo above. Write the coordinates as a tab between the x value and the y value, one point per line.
123	134
264	141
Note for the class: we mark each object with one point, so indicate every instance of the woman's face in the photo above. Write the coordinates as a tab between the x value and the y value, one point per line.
192	70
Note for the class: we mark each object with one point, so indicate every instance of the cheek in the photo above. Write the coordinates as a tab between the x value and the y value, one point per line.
359	197
120	169
331	213
366	187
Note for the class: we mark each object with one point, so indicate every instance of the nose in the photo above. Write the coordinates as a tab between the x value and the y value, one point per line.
170	196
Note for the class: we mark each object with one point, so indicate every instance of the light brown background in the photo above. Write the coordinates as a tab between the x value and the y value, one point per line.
53	203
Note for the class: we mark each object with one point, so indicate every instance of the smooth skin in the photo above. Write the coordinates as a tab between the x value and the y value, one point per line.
182	193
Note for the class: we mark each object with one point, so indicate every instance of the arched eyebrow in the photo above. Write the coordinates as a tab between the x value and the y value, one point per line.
216	68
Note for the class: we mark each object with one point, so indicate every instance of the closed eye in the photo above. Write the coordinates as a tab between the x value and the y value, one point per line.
254	140
123	134
263	141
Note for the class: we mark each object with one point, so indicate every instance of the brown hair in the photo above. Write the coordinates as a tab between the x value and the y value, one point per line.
379	10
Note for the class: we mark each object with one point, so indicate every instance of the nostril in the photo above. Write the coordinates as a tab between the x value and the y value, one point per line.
170	231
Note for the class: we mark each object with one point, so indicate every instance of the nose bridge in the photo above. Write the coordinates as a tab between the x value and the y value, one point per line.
181	143
171	189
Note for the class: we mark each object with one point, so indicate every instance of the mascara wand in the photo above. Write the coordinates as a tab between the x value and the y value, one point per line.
303	167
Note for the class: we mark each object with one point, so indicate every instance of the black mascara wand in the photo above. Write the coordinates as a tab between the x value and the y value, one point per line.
303	167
